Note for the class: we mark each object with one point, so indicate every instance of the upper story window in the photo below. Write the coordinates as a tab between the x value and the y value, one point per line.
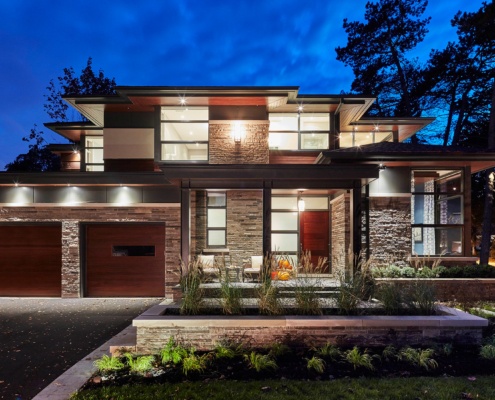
295	131
93	153
360	138
184	133
437	212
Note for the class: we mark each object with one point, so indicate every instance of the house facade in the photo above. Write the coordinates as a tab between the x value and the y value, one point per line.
160	174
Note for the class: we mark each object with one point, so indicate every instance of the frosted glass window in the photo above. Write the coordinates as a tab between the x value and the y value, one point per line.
216	238
345	139
315	203
284	242
283	122
216	199
315	122
94	156
315	141
284	221
284	203
185	131
283	140
184	151
93	141
185	114
217	218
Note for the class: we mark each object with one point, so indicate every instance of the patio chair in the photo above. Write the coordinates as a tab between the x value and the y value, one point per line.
254	270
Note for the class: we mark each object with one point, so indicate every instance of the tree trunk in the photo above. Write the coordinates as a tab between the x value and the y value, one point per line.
486	233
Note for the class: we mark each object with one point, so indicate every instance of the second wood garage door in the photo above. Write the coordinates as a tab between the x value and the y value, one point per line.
125	260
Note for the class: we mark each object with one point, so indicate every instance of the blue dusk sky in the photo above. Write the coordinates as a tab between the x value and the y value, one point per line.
179	42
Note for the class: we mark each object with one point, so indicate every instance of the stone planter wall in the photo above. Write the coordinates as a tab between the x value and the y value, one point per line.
460	290
203	332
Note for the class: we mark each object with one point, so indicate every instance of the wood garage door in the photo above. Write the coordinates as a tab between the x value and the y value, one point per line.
125	260
30	260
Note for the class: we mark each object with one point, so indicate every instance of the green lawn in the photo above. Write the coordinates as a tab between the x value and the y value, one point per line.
483	387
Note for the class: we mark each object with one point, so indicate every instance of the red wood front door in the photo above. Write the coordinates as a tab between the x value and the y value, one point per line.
314	234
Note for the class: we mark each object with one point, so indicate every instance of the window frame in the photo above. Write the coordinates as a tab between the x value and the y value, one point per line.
216	228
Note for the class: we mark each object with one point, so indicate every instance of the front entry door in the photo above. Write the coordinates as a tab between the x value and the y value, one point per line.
314	234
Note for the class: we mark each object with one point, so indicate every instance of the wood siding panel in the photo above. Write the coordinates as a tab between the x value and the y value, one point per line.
30	260
113	276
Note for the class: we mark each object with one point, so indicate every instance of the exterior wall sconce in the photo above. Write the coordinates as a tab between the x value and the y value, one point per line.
301	204
237	132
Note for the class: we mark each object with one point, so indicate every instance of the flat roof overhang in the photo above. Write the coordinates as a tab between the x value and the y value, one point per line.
83	179
310	176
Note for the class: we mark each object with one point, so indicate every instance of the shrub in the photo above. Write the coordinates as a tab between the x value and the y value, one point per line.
390	295
268	299
194	363
420	298
172	352
317	364
260	362
108	364
389	352
329	351
419	357
231	298
278	349
222	351
487	351
359	359
191	277
139	364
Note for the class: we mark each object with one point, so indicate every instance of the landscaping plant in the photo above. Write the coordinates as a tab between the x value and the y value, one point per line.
389	353
231	297
390	295
194	363
359	359
191	277
306	286
420	298
329	351
268	299
172	352
487	351
260	362
316	364
222	351
419	357
139	364
108	364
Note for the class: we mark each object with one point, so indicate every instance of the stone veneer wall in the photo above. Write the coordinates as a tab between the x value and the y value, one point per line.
244	225
253	148
341	233
390	229
72	217
204	333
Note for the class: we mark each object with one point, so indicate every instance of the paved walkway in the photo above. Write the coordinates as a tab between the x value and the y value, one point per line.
42	338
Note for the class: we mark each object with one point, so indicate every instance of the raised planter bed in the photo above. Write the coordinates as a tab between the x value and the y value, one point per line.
455	289
154	329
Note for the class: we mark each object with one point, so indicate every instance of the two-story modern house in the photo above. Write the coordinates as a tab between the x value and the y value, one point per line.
156	174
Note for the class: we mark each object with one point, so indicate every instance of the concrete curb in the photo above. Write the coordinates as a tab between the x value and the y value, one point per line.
77	375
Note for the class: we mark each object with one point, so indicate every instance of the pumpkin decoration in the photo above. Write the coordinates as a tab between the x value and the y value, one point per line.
274	275
283	275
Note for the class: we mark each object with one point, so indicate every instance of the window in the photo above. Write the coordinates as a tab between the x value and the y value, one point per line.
93	153
184	134
133	251
437	212
359	138
293	131
216	219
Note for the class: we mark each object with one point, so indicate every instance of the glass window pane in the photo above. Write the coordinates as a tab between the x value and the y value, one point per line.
383	137
216	238
94	156
217	218
185	151
423	209
441	181
185	114
314	141
284	203
362	138
345	139
283	140
93	141
315	122
93	168
449	210
283	122
437	241
284	221
315	203
185	131
216	199
284	242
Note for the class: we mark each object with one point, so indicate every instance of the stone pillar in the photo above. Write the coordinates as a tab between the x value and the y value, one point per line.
71	271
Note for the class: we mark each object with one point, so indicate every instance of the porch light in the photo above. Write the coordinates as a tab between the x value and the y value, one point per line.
237	132
301	204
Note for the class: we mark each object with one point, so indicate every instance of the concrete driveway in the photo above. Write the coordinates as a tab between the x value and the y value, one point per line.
41	338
